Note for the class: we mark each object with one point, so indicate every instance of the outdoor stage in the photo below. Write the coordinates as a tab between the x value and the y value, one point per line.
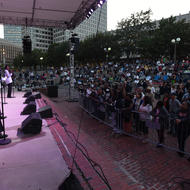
29	163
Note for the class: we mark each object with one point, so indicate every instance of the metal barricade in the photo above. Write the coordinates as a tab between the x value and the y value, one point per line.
165	133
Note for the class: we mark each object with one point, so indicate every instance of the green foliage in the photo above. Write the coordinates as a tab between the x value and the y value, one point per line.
92	49
130	32
56	55
136	35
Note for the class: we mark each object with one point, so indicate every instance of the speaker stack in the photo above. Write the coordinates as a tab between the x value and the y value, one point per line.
33	123
27	44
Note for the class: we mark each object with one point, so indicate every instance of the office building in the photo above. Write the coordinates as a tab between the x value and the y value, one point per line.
96	23
13	34
42	38
8	51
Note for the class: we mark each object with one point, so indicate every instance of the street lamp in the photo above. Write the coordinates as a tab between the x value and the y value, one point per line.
175	41
3	56
41	59
67	55
107	50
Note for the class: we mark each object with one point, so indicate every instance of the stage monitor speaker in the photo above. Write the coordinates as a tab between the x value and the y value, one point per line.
52	91
27	94
45	112
29	99
38	96
30	108
32	124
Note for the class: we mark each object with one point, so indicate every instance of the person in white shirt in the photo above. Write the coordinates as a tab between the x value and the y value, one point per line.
8	80
144	110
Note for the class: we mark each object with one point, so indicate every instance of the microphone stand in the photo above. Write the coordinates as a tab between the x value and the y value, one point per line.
5	140
13	89
13	85
4	89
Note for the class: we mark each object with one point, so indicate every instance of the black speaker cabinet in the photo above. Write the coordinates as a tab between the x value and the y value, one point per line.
52	91
31	98
30	108
32	124
38	96
27	94
45	112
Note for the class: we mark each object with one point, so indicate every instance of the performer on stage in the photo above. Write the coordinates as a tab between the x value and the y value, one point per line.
8	80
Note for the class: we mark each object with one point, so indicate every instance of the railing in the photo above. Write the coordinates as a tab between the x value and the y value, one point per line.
166	133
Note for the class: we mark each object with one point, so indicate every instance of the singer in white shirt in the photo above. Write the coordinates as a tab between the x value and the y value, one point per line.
8	80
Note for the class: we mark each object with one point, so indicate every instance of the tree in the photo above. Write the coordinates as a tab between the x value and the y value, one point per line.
131	30
56	54
171	29
92	48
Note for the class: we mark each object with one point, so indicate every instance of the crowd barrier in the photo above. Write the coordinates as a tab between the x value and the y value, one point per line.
165	134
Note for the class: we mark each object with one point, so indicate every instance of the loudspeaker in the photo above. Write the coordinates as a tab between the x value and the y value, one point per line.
52	91
45	112
30	108
27	94
31	98
32	124
27	44
38	96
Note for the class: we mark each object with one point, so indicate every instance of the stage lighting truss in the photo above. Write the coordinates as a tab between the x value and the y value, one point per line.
95	6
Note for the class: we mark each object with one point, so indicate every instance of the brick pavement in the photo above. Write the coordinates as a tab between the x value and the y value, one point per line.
126	162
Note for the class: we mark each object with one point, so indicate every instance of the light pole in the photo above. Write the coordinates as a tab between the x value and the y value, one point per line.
175	41
3	56
41	59
107	50
67	55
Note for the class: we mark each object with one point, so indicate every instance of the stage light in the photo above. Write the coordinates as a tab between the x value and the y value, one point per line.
101	2
91	10
99	5
89	13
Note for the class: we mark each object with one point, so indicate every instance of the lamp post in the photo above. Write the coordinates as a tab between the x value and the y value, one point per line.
175	41
107	50
3	56
67	55
41	59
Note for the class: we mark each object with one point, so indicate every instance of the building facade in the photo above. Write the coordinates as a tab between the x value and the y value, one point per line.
13	34
8	51
96	23
42	38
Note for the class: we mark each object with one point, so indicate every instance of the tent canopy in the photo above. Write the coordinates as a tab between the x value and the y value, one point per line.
66	14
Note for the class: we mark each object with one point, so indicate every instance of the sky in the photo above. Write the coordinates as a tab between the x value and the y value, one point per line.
118	9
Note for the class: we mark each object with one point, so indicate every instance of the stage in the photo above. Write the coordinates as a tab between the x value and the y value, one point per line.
29	163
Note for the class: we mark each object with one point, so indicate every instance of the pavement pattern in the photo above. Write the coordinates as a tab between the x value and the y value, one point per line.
128	164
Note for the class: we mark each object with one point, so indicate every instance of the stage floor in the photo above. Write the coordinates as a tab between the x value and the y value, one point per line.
30	163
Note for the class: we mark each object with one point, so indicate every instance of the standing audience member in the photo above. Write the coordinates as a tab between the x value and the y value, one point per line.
174	107
145	109
8	80
160	117
183	127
